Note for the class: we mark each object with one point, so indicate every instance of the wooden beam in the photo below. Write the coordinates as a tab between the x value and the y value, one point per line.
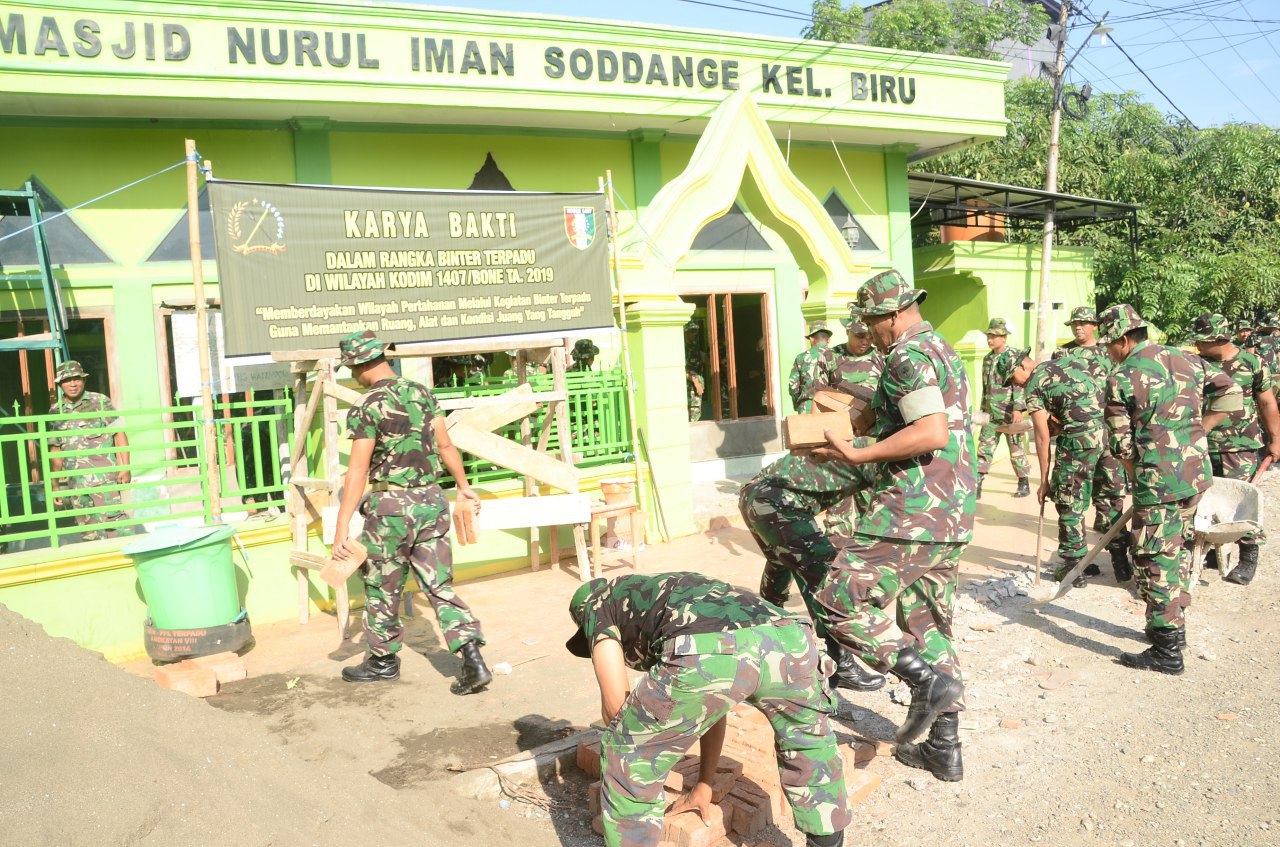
497	399
340	392
508	454
505	408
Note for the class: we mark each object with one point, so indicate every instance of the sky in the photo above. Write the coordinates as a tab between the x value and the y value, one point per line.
1218	61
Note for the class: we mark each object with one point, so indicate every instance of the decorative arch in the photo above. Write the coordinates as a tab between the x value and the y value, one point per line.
737	155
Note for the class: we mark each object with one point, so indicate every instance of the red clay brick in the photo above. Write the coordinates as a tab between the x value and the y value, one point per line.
750	814
188	678
675	781
597	824
860	784
228	667
593	798
1011	723
589	758
688	829
724	781
857	753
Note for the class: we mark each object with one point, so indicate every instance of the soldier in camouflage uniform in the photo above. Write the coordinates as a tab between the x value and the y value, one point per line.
808	369
907	543
1155	427
695	368
1110	485
1234	447
399	443
705	647
1244	330
1003	405
95	471
855	370
584	354
1065	400
1265	344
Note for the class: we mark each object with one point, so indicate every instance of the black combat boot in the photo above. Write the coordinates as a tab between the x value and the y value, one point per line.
939	754
1182	635
1120	564
835	839
1211	560
374	668
1024	487
978	492
1163	656
931	692
1067	566
475	675
849	671
1242	573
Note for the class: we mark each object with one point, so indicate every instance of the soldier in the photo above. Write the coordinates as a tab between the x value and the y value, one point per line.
95	470
1065	400
695	366
855	369
399	442
1154	424
906	548
1244	329
1109	484
1003	405
1234	446
584	355
809	367
705	647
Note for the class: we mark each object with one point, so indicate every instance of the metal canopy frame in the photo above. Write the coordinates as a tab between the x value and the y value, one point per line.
12	203
956	201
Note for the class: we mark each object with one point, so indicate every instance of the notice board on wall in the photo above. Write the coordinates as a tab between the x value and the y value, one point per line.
300	266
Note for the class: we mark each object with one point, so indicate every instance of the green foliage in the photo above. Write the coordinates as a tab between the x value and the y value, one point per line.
963	28
1209	217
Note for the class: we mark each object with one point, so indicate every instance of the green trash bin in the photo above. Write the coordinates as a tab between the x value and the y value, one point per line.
187	576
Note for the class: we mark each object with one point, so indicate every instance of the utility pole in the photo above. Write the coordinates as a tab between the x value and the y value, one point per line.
1044	335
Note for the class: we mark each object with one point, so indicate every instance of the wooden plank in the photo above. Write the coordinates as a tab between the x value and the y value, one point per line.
340	392
523	512
512	406
454	403
312	482
310	561
508	454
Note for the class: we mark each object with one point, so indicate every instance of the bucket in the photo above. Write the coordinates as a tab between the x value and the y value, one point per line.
187	576
618	489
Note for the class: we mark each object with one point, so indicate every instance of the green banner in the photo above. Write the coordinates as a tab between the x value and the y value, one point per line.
301	266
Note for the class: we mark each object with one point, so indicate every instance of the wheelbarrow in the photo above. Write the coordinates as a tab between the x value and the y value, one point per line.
1228	511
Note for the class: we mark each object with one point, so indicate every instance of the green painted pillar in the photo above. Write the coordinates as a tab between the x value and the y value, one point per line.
789	320
900	247
972	347
655	335
646	164
311	150
135	353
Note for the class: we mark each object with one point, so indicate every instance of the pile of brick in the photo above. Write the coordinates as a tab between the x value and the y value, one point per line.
747	794
201	677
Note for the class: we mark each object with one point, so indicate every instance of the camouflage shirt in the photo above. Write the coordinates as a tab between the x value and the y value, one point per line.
999	400
1072	391
850	374
806	373
1096	355
1154	419
1267	348
1241	431
928	498
397	413
642	611
76	437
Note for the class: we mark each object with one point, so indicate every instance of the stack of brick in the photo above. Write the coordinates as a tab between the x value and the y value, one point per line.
747	793
201	677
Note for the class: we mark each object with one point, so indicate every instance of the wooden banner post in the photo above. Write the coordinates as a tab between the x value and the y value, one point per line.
211	458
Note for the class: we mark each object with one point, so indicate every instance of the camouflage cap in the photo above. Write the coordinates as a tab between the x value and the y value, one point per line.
1082	315
69	369
585	348
854	325
1009	363
816	327
1117	320
578	644
998	326
1269	320
1243	324
360	347
884	294
1211	327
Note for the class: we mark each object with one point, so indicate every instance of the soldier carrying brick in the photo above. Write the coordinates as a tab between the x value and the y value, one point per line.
705	647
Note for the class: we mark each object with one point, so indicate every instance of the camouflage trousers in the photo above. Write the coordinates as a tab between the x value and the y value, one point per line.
780	507
695	405
989	440
1075	462
1110	485
82	494
1242	464
870	575
1162	535
777	668
408	529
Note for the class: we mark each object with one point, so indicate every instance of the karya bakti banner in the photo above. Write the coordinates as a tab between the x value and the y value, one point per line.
301	266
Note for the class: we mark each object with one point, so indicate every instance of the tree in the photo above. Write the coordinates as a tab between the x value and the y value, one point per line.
960	27
1209	201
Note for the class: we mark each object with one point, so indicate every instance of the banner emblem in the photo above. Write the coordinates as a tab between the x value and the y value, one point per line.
580	225
255	226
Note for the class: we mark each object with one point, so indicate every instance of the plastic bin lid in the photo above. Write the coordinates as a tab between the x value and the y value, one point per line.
171	537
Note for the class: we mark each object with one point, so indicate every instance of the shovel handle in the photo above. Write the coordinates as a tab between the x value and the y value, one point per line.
1262	468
